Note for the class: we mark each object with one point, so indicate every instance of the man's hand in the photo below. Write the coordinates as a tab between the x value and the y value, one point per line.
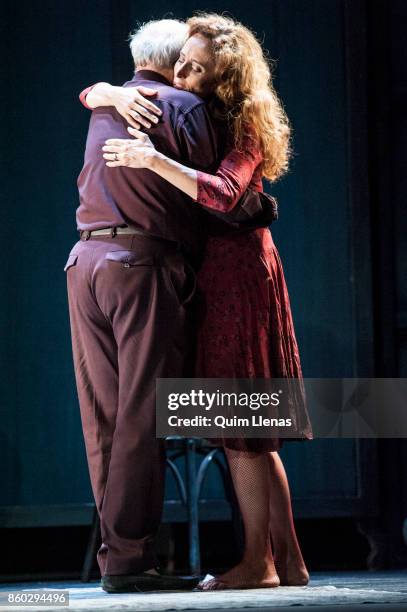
137	153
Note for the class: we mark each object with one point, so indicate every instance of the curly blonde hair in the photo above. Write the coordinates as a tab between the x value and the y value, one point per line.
245	89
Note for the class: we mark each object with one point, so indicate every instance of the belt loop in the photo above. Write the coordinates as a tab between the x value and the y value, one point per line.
113	232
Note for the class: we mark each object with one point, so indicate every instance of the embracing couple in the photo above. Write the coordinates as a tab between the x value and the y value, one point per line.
164	278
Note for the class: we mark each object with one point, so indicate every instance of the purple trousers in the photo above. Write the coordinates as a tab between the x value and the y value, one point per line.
127	305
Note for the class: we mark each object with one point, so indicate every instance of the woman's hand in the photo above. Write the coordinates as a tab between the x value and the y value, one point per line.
137	153
141	153
130	103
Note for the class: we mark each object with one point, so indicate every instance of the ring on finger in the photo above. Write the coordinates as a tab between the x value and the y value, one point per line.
116	157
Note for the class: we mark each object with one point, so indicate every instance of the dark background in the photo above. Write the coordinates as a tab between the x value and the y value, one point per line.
341	73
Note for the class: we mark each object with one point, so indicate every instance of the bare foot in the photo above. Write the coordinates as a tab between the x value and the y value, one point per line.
292	573
243	576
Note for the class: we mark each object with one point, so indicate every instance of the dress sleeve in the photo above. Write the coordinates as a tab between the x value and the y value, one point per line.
223	190
84	93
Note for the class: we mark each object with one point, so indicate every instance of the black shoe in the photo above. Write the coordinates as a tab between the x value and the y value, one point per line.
144	582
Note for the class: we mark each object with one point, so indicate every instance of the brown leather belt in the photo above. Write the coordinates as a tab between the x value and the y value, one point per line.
147	242
111	231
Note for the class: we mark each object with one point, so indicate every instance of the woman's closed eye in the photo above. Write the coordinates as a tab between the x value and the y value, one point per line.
194	67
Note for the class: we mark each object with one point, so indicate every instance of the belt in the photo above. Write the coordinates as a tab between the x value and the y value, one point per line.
110	231
162	244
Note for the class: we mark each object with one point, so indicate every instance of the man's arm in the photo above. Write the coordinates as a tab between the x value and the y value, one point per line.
198	139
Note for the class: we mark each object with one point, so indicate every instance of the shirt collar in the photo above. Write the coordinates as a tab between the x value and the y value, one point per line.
151	75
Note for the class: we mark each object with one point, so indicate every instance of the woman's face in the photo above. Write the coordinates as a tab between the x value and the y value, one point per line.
195	67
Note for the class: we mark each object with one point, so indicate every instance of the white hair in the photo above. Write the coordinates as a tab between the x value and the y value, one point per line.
158	42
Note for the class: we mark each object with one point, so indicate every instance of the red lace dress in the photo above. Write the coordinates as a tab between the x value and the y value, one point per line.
246	328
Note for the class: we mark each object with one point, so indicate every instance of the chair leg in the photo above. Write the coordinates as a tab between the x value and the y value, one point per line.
192	499
93	543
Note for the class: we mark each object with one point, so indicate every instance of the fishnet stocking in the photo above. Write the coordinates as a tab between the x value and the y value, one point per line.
263	493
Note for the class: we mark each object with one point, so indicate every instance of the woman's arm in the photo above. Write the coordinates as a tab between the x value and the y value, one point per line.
129	102
220	191
223	190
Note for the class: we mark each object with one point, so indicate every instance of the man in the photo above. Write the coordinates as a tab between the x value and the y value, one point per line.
129	283
127	289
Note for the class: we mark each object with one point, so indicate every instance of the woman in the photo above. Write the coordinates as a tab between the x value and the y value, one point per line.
247	330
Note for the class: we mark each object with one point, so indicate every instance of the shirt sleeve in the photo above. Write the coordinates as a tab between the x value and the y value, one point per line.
222	191
197	139
84	93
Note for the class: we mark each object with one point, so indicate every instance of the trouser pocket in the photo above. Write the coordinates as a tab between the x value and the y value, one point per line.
72	259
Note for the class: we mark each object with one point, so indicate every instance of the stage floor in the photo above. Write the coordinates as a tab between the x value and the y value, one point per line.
326	592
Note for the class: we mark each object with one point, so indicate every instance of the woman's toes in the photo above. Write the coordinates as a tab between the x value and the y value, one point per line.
214	585
201	586
205	580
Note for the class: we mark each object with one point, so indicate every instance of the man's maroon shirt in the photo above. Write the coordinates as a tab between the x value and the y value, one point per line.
139	197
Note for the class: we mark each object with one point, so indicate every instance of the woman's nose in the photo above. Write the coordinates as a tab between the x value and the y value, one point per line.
181	71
